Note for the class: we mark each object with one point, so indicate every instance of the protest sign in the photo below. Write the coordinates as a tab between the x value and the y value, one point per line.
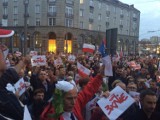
33	53
71	58
18	54
20	86
39	60
117	102
58	62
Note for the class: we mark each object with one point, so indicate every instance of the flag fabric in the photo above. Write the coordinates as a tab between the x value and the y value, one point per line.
88	48
83	71
6	33
121	53
102	49
108	66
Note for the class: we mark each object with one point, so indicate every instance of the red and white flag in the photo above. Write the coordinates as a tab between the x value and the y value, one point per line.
83	71
88	48
6	33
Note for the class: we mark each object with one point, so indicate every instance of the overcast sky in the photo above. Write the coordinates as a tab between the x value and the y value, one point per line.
150	16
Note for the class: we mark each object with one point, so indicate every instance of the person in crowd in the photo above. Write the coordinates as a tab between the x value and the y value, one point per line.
148	101
38	104
70	105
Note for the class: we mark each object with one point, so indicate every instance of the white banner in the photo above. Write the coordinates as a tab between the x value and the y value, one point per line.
108	66
117	102
39	60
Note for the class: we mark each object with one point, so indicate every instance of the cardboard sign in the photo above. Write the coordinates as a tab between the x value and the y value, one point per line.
20	86
39	60
58	62
116	103
71	58
33	53
18	54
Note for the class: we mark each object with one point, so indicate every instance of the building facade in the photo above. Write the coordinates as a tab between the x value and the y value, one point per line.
64	25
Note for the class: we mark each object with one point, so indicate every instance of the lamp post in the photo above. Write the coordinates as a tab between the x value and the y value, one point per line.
26	2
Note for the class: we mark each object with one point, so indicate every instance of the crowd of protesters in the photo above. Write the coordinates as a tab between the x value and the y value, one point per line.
46	101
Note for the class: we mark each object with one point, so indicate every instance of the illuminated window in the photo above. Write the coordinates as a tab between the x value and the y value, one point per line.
52	45
81	1
68	46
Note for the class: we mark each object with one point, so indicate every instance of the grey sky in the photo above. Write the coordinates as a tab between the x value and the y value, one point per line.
150	16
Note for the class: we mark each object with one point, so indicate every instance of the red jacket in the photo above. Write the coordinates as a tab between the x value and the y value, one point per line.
82	99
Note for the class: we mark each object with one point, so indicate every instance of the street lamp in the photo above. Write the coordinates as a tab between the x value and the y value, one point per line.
26	2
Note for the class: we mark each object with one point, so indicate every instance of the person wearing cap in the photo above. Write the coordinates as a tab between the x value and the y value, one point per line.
67	104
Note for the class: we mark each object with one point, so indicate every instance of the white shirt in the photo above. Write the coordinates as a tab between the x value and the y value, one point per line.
67	116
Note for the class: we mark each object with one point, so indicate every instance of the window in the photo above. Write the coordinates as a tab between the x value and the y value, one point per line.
15	10
99	27
37	21
81	12
107	18
114	9
37	9
69	11
51	21
51	8
69	1
15	22
5	11
81	1
99	5
99	16
120	22
134	15
90	26
121	11
81	24
107	7
68	22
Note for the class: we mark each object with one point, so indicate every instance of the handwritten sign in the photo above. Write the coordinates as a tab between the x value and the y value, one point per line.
20	86
18	54
71	58
116	103
33	53
39	60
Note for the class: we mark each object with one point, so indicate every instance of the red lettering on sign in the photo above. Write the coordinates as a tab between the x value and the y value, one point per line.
115	100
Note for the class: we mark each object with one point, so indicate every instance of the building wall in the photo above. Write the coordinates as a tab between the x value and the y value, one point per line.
114	14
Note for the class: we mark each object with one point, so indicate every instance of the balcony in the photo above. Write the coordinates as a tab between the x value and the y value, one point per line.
69	15
91	20
91	4
5	3
52	14
121	16
5	16
51	1
69	2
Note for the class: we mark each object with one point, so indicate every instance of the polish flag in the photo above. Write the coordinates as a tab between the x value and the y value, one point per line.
83	71
6	33
88	48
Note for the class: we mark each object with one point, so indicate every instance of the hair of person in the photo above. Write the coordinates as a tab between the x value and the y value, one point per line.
40	90
146	92
83	81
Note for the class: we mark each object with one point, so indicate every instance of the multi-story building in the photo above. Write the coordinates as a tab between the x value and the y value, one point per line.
64	25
